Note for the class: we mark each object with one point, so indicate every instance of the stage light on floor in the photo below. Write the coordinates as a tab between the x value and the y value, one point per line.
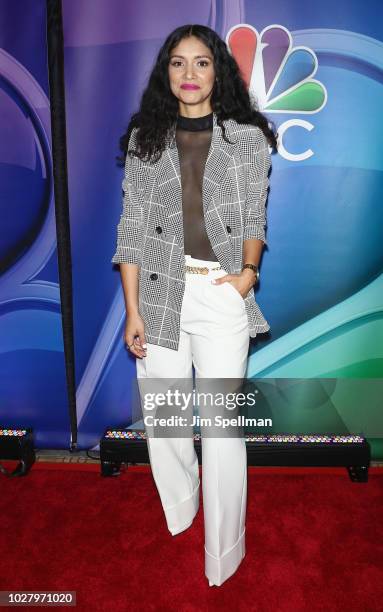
119	445
17	444
131	435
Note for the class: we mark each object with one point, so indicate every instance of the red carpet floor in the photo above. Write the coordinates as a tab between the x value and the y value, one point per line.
314	542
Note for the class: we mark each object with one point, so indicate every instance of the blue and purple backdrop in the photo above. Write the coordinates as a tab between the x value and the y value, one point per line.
317	72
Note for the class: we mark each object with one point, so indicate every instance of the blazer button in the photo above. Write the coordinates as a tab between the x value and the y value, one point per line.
228	229
159	229
154	276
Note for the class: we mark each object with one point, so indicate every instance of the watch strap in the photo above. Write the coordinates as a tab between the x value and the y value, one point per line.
252	267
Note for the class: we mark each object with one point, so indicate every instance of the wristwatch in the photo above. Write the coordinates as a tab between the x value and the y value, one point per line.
254	268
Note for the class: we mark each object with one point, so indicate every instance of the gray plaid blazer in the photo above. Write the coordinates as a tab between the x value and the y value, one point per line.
150	230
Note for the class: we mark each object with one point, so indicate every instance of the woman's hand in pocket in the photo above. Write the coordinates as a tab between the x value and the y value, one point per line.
241	282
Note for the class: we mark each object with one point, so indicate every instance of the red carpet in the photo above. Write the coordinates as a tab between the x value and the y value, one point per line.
314	542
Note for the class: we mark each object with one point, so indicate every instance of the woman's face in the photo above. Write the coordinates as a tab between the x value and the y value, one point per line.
191	76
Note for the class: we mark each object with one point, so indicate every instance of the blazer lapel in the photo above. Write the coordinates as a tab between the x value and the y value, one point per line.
218	160
169	176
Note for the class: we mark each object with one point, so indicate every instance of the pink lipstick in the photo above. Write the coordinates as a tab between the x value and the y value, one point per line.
189	86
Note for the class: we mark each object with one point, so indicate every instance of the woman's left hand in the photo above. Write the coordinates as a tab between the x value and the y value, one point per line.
242	282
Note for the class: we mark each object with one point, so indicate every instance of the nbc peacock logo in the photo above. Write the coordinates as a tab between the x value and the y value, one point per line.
278	75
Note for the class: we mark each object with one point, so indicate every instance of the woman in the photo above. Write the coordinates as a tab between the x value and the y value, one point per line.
189	243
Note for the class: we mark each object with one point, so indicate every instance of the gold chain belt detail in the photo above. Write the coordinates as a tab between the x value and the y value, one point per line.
200	269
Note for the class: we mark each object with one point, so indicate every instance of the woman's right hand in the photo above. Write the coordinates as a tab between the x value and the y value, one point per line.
135	327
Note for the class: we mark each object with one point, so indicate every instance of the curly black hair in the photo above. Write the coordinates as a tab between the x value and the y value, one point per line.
157	116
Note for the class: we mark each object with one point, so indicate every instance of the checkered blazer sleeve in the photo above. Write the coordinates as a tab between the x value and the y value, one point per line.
130	226
259	162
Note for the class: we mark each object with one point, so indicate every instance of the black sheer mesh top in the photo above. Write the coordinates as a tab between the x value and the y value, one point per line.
193	137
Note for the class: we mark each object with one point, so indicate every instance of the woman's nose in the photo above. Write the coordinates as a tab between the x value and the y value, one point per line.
189	72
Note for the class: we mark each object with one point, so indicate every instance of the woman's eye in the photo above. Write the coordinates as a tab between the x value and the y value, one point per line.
178	62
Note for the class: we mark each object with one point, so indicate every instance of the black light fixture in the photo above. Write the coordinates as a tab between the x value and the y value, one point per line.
17	444
119	445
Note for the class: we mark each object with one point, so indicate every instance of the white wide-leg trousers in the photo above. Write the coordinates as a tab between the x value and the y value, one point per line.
215	339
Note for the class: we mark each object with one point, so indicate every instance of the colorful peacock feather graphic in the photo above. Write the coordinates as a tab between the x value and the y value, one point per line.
278	74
